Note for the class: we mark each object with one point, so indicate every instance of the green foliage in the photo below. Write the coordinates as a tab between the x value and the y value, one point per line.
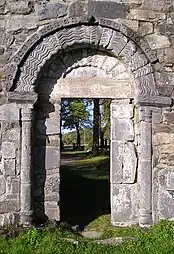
159	239
70	137
32	236
105	117
74	113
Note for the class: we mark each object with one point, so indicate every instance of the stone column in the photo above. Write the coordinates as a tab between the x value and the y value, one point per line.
145	167
26	171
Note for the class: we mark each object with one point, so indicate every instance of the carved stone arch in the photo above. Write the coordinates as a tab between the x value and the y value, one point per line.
106	35
103	75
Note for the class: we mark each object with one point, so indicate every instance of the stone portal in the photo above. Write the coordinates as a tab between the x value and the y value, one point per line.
77	57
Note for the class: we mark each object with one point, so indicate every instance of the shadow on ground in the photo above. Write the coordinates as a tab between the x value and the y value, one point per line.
84	192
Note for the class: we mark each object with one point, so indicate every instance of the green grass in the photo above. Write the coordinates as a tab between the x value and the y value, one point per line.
158	239
93	168
104	226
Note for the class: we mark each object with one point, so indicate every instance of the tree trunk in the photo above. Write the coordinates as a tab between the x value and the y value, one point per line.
102	142
96	126
78	136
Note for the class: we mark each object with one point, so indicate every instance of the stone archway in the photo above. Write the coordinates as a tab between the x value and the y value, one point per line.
117	41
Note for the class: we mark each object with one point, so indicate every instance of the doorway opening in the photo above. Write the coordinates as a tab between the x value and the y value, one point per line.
85	162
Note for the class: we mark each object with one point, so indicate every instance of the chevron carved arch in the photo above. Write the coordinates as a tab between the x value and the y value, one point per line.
63	35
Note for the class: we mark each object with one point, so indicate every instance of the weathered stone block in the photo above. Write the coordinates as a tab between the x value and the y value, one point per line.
122	111
124	162
51	10
157	116
2	185
122	130
52	211
52	126
13	186
9	167
166	148
7	219
166	205
133	24
129	163
53	140
19	7
18	22
163	128
165	194
2	2
169	118
52	183
77	7
9	206
145	28
165	29
124	204
11	134
159	5
170	179
2	21
156	41
169	56
116	162
146	15
8	150
9	112
106	9
53	197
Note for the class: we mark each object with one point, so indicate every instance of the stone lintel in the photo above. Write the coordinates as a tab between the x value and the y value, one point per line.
155	101
22	98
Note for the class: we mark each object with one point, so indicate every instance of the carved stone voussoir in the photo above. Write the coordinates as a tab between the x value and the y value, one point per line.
25	47
130	34
143	71
146	85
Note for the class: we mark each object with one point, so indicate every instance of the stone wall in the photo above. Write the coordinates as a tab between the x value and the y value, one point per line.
10	163
163	163
124	163
46	151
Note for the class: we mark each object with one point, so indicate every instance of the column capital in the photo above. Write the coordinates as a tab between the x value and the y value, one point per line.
26	114
146	114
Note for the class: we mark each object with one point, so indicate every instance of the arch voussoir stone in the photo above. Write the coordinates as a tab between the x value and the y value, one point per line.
129	33
105	37
117	42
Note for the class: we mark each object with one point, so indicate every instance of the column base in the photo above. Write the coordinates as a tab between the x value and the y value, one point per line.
145	219
26	218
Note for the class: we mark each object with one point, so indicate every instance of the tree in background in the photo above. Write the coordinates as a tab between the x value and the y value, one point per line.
101	124
74	114
104	122
96	126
